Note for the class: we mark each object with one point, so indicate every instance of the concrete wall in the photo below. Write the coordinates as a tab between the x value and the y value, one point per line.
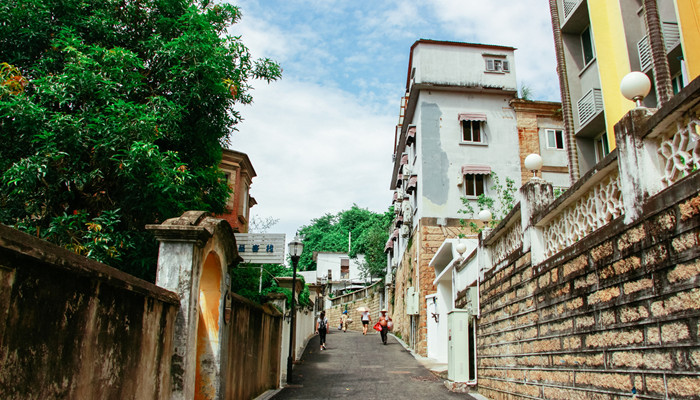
254	349
72	328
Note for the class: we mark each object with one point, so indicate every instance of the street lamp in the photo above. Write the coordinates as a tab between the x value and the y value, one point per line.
295	249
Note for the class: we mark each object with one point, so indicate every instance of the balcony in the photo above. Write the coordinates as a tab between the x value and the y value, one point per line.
590	105
672	38
569	7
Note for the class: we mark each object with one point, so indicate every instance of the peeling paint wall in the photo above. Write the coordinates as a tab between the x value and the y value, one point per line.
72	328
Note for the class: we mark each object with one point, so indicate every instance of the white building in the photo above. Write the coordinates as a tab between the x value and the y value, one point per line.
339	271
460	122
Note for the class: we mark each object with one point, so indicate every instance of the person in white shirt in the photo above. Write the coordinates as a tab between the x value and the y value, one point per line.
366	319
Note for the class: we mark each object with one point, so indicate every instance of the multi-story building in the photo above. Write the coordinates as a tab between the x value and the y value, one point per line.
239	176
460	123
598	42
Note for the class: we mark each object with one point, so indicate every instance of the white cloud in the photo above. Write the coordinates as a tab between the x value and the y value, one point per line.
524	24
315	150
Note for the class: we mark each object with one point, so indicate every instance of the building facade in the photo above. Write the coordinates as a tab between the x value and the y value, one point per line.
460	124
598	42
239	175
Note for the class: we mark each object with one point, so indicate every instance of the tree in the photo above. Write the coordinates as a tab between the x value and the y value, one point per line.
366	230
261	224
245	281
499	206
112	116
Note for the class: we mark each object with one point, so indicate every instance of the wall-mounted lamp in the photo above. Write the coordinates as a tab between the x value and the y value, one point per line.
635	86
533	163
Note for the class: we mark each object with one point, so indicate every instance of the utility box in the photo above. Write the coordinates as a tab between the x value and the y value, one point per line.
473	300
461	351
411	301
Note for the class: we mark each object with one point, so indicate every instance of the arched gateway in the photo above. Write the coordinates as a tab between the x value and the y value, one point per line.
196	252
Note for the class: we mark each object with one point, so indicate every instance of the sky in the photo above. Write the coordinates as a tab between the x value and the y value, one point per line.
321	138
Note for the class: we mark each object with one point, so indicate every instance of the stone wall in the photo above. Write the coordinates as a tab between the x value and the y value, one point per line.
372	301
72	328
619	311
595	295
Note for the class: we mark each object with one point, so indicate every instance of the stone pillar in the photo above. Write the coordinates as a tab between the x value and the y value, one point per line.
535	196
179	264
637	161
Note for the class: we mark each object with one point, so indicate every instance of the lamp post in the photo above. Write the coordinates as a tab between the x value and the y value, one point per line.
295	249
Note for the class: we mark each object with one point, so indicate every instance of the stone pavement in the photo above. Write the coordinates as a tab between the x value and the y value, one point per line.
357	366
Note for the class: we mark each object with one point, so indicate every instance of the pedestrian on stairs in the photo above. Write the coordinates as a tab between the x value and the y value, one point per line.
322	328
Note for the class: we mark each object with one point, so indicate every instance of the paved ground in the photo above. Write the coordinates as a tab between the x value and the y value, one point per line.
357	366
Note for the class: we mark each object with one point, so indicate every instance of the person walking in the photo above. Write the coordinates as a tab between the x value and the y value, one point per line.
344	320
366	319
386	323
322	328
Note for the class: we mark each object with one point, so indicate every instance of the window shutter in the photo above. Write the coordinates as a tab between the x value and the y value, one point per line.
506	66
489	65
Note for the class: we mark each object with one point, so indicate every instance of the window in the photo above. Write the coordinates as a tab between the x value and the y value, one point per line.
677	83
497	65
471	131
587	46
344	268
473	184
555	139
601	147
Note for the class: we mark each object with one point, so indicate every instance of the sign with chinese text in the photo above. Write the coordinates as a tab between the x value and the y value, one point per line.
261	248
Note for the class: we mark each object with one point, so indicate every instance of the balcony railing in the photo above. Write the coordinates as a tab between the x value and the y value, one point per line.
589	106
569	7
672	37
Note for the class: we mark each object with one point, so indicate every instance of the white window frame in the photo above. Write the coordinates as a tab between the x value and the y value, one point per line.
480	124
551	145
604	148
466	185
497	65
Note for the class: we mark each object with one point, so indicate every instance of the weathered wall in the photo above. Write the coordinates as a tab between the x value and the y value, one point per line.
72	328
372	301
617	311
254	347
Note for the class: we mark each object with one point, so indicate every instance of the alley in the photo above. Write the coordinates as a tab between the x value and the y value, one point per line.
357	366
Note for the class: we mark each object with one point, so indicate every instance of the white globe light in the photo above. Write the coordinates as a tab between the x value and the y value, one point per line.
461	248
533	162
485	215
635	85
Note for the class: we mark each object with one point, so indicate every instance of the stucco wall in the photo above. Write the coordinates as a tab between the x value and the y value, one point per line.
254	347
72	328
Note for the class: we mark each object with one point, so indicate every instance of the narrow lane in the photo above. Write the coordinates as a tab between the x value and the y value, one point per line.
357	366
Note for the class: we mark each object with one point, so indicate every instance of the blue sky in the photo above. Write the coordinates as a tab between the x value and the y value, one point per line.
321	138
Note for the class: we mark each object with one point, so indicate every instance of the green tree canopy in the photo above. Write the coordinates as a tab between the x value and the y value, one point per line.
330	232
112	116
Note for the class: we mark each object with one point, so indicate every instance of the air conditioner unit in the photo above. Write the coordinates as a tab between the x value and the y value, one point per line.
405	230
406	170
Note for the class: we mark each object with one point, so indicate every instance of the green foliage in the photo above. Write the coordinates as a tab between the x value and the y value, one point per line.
245	281
500	205
525	91
112	116
370	231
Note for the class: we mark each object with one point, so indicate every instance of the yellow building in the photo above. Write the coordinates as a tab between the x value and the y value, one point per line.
598	42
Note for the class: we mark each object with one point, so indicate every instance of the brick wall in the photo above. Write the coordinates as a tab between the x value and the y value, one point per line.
372	302
619	310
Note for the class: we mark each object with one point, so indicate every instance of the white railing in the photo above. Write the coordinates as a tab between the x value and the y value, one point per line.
507	243
672	37
589	106
644	51
592	210
679	152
